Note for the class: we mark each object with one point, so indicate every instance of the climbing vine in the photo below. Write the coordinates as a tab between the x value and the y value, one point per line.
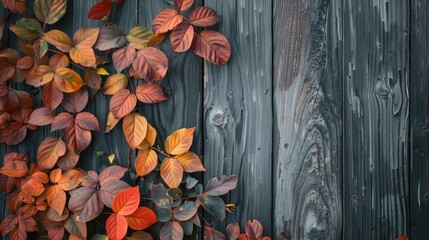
49	195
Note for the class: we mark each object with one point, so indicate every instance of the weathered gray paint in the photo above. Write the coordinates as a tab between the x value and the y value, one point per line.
307	114
376	113
419	118
312	113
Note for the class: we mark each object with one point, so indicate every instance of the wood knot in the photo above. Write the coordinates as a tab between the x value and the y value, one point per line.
218	118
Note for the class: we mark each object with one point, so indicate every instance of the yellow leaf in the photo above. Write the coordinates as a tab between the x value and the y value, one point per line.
111	157
146	162
180	141
103	72
171	172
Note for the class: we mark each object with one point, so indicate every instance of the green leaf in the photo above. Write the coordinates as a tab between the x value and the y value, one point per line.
138	37
214	205
175	193
163	214
185	211
27	29
159	196
188	227
50	11
99	237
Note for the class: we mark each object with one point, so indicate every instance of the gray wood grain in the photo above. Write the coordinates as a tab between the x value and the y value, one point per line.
307	119
419	120
238	109
376	121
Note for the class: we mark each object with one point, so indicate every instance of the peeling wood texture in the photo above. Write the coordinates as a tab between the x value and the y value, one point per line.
419	118
322	111
307	119
376	106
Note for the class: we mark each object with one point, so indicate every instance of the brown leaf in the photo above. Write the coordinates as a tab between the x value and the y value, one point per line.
111	122
166	20
87	121
92	78
69	160
75	227
123	57
41	117
67	80
151	64
183	5
135	129
115	83
112	173
51	96
59	61
182	37
14	169
110	37
40	75
77	138
171	230
85	56
203	17
59	39
50	11
212	46
122	103
49	151
150	93
75	102
61	121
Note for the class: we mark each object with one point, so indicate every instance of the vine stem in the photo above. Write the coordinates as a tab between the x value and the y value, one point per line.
158	149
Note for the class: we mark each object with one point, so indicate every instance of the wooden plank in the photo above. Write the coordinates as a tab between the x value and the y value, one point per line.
307	119
183	87
238	110
419	120
376	119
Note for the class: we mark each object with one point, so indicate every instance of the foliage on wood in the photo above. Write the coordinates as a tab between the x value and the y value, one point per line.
49	195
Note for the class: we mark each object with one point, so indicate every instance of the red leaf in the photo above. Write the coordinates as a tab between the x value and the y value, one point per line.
69	160
141	219
110	189
166	20
212	46
203	17
183	5
112	173
254	229
99	10
8	224
77	138
87	121
75	102
123	57
151	64
61	121
116	227
41	117
49	151
122	103
51	96
14	133
127	201
182	37
150	93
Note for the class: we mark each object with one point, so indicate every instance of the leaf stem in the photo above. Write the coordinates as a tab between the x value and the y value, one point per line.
159	150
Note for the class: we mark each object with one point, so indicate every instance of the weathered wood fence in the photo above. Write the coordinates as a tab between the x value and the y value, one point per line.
323	111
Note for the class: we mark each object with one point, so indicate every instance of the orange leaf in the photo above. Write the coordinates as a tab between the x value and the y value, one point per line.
182	37
14	169
212	46
127	201
190	162
84	56
56	198
123	57
183	5
116	227
150	93
151	64
85	37
70	179
146	161
67	80
166	20
49	151
203	17
59	61
135	129
141	219
33	187
115	83
59	39
171	172
55	175
122	103
40	75
180	141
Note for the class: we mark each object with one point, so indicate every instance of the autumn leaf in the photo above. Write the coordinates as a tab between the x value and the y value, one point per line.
185	211
116	227
51	96
171	230
183	5
56	198
59	39
110	37
14	169
92	78
146	161
123	57
41	117
86	203
213	205
69	160
61	121
111	122
16	6
214	187
99	10
49	151
139	37
83	40
203	17
190	162
212	46
67	80
150	93
77	138
127	201
122	103
87	121
112	173
76	227
172	172
76	101
232	230
151	64
166	20
115	83
254	229
182	37
27	29
141	219
50	11
180	141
